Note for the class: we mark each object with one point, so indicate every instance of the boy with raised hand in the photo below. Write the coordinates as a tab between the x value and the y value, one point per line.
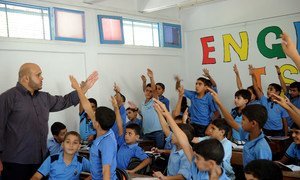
58	131
206	156
254	118
104	148
276	124
289	48
86	129
65	165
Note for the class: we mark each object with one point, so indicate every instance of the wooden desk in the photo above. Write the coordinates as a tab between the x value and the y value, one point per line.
142	177
146	145
289	175
237	157
278	146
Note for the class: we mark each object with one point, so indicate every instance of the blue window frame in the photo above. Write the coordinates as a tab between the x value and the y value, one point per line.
78	35
171	35
117	35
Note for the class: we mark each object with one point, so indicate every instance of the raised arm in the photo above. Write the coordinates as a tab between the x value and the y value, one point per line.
118	94
206	74
118	115
144	80
282	83
178	80
254	81
237	77
290	49
163	123
229	119
177	109
180	135
153	85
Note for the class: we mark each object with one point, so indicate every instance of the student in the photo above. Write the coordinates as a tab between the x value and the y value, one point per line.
201	106
104	148
219	129
254	118
151	127
206	156
262	170
290	49
132	116
178	165
65	165
254	97
58	131
292	92
181	104
276	124
86	129
241	99
292	154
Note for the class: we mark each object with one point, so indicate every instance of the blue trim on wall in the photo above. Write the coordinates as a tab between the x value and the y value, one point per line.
167	44
102	40
67	38
297	28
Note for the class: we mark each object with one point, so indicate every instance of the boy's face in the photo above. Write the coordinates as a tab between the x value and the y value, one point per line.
130	136
71	144
250	177
148	93
294	92
61	135
94	107
159	90
216	132
201	163
131	115
246	124
296	135
271	90
200	87
239	101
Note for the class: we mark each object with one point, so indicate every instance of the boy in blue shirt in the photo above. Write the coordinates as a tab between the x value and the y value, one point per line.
104	148
276	124
86	129
132	116
205	157
65	165
58	131
179	166
263	169
201	107
254	118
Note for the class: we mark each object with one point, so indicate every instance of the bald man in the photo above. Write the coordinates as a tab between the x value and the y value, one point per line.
24	115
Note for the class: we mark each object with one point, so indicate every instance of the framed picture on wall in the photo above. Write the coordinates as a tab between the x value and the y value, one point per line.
110	29
171	35
69	25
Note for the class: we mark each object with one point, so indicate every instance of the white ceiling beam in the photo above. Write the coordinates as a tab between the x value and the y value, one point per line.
156	5
92	1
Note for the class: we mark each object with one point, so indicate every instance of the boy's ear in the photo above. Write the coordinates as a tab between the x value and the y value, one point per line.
223	132
211	164
254	123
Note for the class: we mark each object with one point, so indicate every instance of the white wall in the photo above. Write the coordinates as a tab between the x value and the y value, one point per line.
234	16
115	63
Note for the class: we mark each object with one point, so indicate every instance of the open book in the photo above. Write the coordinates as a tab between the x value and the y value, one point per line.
290	167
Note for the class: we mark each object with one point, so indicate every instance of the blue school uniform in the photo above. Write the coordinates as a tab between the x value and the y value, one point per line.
238	119
293	153
275	114
178	162
136	121
86	126
203	175
201	108
123	117
59	170
53	146
165	100
150	117
296	102
126	152
226	165
257	148
104	152
254	102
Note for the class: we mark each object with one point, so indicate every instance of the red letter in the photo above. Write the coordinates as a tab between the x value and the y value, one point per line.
207	50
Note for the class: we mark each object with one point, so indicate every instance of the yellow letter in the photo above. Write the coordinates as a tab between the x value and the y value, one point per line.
292	69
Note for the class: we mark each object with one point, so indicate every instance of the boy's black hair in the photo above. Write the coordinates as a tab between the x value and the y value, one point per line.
57	127
204	80
244	94
256	112
135	127
132	109
277	87
295	85
253	91
209	84
161	85
188	131
148	85
179	117
92	100
222	125
123	97
295	126
263	169
105	117
210	149
74	133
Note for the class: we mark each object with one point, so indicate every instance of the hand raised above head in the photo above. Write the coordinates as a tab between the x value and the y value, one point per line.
117	88
114	102
132	105
235	69
288	46
150	73
74	83
205	72
143	78
90	81
177	78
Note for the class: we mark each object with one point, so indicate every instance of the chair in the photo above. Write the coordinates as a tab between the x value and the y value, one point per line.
122	174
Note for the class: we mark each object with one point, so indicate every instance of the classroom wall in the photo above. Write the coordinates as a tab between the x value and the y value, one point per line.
241	21
115	63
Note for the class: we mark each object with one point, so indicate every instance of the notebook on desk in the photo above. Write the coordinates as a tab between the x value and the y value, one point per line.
290	167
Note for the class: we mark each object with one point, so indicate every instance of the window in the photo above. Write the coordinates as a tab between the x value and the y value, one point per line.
141	33
24	21
110	29
69	25
172	35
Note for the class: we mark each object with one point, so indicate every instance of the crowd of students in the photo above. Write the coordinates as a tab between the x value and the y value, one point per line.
197	139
